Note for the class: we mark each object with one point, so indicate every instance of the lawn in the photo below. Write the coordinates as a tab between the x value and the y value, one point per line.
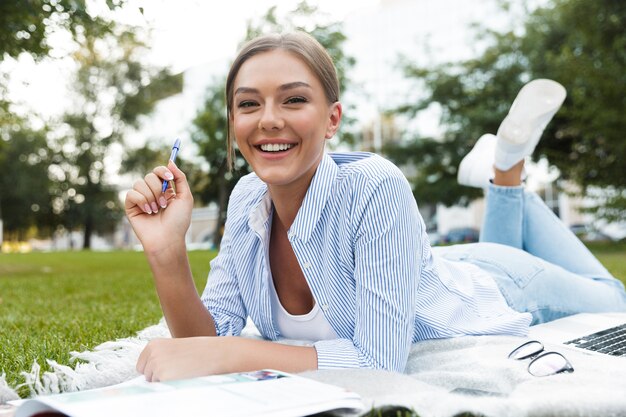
54	303
613	257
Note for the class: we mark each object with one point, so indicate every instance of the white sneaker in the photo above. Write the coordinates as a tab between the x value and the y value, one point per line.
476	169
529	115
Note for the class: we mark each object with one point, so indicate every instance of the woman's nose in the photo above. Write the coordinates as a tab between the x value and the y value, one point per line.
271	119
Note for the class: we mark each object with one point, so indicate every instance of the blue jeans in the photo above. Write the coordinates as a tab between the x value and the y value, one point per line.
539	265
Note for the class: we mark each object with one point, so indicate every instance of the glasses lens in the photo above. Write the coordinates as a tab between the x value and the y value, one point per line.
549	364
526	350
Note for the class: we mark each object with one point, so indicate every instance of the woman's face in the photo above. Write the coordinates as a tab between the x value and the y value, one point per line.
281	118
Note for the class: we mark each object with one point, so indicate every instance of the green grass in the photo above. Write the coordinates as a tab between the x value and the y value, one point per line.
54	303
612	256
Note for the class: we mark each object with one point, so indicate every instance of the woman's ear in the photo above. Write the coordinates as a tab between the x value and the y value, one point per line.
334	120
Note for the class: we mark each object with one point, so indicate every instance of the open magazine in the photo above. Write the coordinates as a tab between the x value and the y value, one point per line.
259	393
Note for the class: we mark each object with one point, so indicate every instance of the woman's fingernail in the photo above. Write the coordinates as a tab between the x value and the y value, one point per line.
146	208
168	176
155	208
162	201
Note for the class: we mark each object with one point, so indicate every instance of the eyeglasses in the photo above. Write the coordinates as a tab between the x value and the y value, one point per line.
543	363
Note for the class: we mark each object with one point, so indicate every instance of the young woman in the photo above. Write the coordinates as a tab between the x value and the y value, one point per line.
331	248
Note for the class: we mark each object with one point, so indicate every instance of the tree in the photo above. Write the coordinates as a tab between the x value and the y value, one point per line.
209	133
582	45
26	26
473	96
209	126
576	42
25	200
113	88
143	160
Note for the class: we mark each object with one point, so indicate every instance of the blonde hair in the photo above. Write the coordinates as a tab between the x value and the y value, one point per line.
304	46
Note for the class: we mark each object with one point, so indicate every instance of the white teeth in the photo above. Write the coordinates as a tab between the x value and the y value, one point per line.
275	147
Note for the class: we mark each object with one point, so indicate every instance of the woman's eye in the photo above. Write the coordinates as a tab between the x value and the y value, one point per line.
295	100
246	103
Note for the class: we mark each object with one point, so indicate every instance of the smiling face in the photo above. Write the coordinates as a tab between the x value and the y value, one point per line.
281	118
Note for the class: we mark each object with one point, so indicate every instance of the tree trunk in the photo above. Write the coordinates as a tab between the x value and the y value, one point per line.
222	202
88	231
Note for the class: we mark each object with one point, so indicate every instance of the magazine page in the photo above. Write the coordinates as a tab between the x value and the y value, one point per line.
263	393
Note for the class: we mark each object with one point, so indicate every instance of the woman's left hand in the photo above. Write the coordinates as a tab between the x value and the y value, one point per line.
167	359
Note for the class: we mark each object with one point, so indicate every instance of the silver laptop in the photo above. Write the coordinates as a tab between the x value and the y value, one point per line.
601	333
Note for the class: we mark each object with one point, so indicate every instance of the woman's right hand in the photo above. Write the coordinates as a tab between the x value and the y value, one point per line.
160	219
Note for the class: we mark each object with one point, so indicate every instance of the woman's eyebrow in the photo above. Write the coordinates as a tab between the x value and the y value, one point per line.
294	84
244	90
283	87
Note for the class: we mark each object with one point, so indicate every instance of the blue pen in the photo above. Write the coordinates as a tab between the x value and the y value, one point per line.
175	149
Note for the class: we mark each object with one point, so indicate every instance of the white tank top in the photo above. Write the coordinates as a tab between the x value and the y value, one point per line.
311	326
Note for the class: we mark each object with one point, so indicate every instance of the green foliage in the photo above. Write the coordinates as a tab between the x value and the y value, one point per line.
579	43
25	26
209	132
473	96
113	87
67	181
24	201
591	63
142	160
55	303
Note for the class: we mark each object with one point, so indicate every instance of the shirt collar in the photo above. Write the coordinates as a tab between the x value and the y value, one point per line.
312	206
259	217
315	199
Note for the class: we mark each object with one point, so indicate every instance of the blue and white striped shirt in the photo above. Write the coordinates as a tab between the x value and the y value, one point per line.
363	249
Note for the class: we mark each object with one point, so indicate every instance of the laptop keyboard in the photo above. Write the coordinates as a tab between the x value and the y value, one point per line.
610	341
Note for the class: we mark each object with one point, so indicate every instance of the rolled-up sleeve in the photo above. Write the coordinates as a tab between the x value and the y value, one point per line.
222	295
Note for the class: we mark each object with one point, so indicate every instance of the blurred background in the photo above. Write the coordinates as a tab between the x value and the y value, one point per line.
94	92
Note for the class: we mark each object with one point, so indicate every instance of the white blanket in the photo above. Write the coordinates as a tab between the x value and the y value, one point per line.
596	388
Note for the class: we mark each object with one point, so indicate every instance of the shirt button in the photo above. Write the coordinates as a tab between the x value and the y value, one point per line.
306	265
325	307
